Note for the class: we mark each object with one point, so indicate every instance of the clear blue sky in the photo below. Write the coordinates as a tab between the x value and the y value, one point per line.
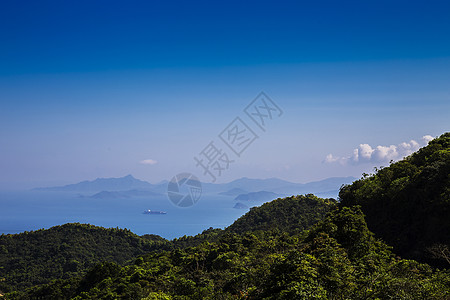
93	89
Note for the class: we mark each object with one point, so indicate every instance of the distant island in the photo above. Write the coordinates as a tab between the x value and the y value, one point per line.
240	205
257	196
131	187
102	184
123	194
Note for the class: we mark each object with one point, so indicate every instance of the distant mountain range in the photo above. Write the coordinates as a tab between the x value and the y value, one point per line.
122	194
129	186
103	184
328	187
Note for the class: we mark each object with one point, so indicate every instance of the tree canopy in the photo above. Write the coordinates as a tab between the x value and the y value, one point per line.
408	203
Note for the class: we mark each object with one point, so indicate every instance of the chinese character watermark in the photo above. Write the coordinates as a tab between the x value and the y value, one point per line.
238	136
214	160
262	110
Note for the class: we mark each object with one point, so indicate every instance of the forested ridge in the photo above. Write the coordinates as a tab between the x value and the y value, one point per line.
32	258
290	215
337	258
299	247
408	203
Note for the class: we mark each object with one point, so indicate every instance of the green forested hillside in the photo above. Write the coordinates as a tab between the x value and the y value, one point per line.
35	257
338	258
292	215
408	203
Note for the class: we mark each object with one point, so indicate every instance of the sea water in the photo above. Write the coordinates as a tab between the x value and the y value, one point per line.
31	210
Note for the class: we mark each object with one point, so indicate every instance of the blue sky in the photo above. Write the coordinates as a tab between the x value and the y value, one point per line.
92	89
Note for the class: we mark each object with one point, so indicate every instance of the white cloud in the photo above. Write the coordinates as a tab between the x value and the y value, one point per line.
364	153
330	158
427	138
380	154
148	162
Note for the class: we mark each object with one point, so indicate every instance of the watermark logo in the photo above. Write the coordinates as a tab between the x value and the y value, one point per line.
238	136
184	190
213	160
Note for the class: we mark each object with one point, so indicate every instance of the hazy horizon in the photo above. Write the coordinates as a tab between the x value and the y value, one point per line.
84	96
164	181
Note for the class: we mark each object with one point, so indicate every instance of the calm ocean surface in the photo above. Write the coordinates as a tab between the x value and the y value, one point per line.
31	210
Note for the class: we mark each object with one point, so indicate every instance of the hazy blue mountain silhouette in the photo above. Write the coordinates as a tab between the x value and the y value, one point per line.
328	187
103	184
128	184
124	194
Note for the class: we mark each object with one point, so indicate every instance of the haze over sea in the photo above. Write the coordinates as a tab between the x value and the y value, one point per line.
32	210
120	202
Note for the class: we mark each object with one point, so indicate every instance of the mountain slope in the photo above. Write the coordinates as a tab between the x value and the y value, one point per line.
408	203
35	257
103	184
292	214
338	258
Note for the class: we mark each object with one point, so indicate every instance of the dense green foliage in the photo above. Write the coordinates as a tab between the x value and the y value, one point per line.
293	215
35	257
408	203
338	258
